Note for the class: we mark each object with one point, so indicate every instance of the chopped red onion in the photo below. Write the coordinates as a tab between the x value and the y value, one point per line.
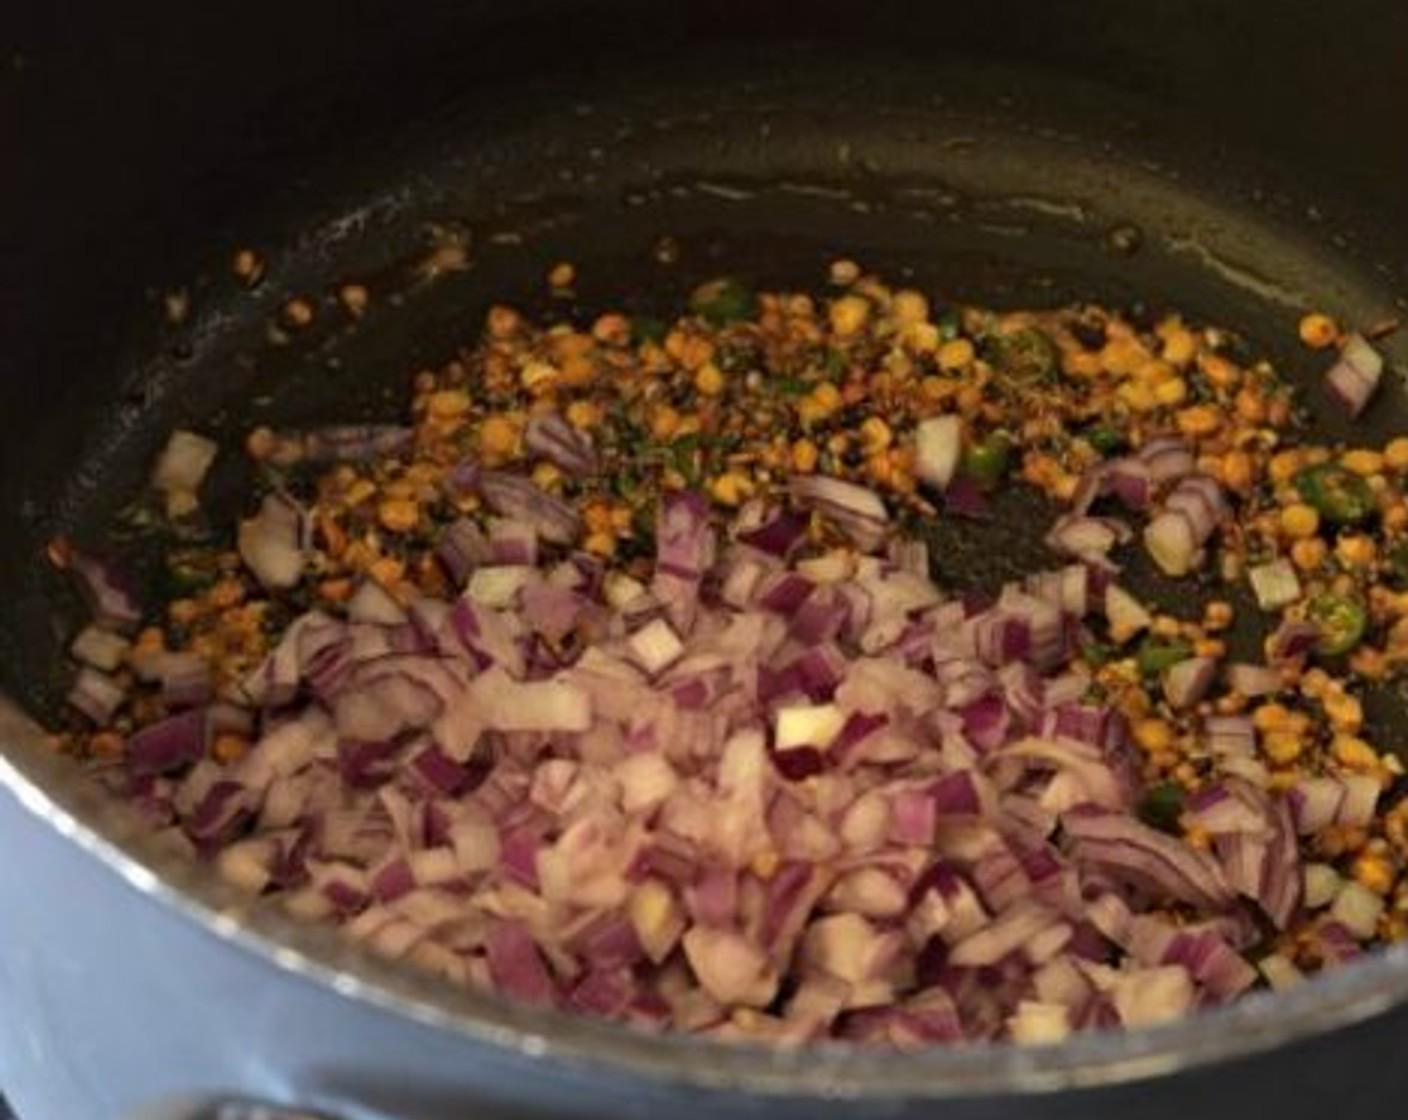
186	680
462	547
858	512
1191	512
109	593
760	775
1315	803
515	965
1355	376
552	437
1291	641
170	745
778	536
96	695
1167	458
349	443
965	497
1086	538
519	499
1145	858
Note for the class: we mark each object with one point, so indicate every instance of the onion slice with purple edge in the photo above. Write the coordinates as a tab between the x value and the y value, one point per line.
1146	859
350	443
1191	512
514	496
1166	458
1355	376
552	437
1293	640
172	744
1089	539
96	695
859	512
110	594
1188	681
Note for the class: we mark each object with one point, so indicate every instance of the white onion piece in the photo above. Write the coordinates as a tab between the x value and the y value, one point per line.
102	649
372	603
505	704
1126	614
1153	996
270	543
1192	511
498	585
938	446
1253	680
814	726
180	470
646	781
1322	885
1170	541
1039	1024
655	647
620	589
96	695
1358	909
1361	797
1275	584
657	918
247	864
731	968
1280	972
1188	681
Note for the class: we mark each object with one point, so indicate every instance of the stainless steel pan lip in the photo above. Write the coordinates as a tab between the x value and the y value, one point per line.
44	784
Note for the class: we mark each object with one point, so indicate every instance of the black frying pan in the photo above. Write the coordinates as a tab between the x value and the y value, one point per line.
1240	165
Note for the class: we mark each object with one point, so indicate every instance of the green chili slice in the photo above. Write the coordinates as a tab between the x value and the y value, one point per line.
1342	620
1340	496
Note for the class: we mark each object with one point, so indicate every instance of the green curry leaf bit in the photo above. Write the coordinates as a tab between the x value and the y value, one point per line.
724	301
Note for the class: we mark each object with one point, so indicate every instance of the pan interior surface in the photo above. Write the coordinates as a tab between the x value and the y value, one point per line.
1038	199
